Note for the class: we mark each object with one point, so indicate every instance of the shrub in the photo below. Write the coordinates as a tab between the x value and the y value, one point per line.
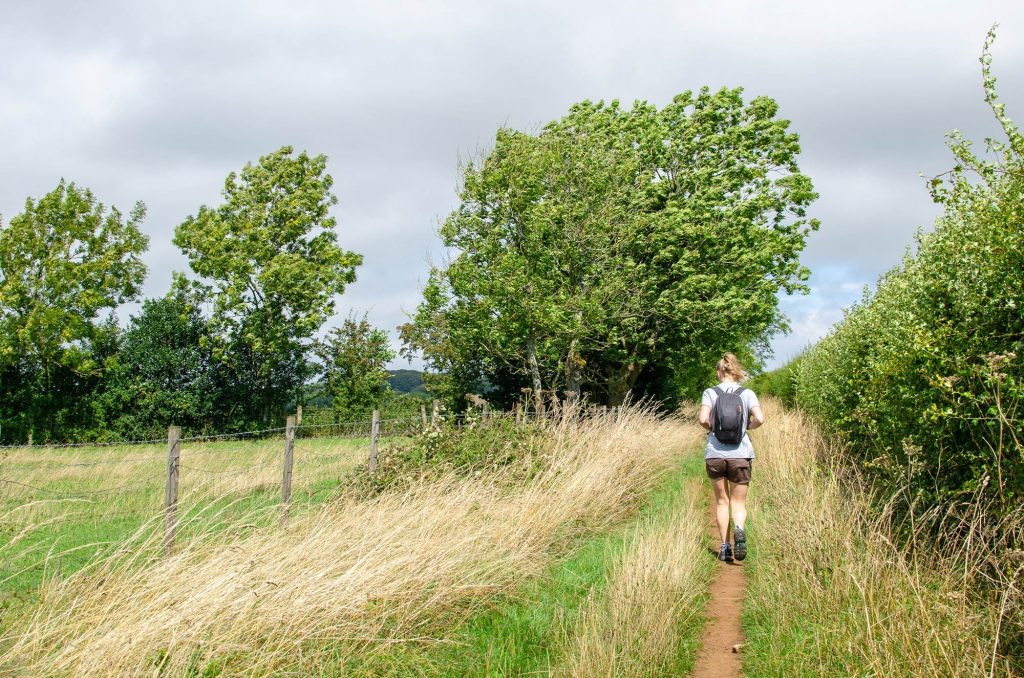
780	382
923	379
463	445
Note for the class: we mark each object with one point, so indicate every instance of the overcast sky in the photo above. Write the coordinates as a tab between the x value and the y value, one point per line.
158	101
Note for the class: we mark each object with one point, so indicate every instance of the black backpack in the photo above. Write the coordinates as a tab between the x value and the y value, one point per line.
728	416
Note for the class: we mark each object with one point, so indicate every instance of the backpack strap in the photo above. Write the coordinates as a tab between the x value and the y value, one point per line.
719	391
746	413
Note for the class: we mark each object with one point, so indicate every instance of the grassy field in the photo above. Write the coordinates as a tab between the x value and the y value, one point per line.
594	563
61	508
450	576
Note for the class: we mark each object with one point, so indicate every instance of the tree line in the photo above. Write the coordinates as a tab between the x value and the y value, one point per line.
228	349
614	252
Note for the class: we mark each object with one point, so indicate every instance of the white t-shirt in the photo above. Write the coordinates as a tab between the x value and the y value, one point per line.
742	450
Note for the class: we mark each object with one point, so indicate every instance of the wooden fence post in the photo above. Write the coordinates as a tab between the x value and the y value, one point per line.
374	433
286	474
171	494
434	414
486	412
423	415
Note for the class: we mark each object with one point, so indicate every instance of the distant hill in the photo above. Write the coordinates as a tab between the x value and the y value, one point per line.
407	381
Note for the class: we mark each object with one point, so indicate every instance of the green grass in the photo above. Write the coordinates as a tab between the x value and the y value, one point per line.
523	634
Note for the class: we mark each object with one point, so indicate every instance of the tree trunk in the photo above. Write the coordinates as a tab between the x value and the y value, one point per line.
531	359
266	396
573	375
621	383
44	406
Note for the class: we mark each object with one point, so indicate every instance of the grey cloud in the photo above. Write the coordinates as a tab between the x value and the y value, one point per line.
159	101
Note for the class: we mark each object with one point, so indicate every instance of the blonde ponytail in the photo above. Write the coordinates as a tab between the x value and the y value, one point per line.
729	366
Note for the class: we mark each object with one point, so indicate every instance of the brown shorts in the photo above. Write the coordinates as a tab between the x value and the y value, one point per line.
736	470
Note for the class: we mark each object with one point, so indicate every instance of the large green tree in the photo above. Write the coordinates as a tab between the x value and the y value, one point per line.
163	372
355	357
271	256
723	220
618	250
538	229
63	261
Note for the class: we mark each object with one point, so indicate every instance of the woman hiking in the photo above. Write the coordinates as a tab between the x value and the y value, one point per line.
728	411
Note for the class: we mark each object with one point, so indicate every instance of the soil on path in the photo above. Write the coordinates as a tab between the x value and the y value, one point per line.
723	630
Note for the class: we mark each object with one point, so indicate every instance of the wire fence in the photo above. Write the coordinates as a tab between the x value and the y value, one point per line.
75	507
56	499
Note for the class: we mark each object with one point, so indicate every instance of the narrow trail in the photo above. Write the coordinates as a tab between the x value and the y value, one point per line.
723	630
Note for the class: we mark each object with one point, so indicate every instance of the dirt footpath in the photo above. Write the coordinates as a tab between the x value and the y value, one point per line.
723	631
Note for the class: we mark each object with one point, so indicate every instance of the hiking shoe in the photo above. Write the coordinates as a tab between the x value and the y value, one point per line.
741	543
725	553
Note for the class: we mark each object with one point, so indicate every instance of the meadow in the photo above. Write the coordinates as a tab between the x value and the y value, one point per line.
584	552
529	568
64	507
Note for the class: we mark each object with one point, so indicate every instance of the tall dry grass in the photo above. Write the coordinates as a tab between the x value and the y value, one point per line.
60	505
833	591
348	580
656	590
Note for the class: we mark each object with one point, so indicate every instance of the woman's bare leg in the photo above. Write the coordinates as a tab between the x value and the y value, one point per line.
721	487
738	504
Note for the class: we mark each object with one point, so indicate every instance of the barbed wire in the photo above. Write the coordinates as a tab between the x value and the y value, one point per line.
197	512
185	453
251	434
144	514
388	428
77	464
57	446
318	455
26	485
232	471
367	422
414	427
150	441
126	486
256	432
227	436
84	494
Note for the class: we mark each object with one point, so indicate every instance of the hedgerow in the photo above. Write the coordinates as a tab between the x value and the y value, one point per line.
923	378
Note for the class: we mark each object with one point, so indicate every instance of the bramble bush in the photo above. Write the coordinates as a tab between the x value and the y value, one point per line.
923	378
466	447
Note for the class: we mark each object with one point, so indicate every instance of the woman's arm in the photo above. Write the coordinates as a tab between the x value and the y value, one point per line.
756	417
704	417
